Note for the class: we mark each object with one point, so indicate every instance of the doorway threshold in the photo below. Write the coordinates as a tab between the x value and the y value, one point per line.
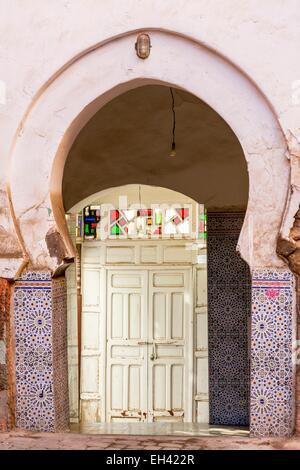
162	429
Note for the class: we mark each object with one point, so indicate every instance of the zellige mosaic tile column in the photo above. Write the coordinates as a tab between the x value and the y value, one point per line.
40	357
229	310
272	369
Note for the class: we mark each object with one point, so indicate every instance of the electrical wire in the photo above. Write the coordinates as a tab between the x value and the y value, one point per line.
174	118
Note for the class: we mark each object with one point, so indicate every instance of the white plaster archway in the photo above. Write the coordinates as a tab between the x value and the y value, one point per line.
100	75
71	98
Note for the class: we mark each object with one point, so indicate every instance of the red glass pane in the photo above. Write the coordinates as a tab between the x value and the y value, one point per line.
122	222
184	213
145	212
114	215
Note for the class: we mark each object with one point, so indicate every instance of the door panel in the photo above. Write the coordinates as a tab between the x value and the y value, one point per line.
126	345
159	325
169	300
135	321
177	317
147	326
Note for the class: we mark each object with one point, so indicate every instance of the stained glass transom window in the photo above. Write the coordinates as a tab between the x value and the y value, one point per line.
202	219
91	219
133	222
96	222
145	222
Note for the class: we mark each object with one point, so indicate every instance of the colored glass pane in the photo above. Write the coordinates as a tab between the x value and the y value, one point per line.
115	230
158	217
183	213
144	212
114	215
202	231
91	218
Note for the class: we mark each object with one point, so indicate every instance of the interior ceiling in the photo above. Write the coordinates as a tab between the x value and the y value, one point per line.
129	141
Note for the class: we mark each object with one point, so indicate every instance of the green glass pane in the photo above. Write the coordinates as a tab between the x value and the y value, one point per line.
202	235
115	230
86	228
158	217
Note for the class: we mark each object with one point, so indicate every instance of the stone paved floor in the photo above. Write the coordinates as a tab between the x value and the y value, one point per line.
64	441
160	429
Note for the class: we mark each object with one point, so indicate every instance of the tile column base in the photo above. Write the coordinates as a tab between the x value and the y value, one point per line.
272	369
40	317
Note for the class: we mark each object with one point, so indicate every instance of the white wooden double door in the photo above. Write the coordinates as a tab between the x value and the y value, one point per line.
149	353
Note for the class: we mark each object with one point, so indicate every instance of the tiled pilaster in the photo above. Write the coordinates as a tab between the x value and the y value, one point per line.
229	309
40	358
272	369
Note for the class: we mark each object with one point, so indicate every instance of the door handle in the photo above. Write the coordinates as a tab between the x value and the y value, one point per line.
153	355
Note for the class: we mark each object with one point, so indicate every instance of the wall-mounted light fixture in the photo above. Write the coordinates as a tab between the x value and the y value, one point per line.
143	45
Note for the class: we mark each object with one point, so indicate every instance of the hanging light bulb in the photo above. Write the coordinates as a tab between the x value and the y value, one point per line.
173	148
